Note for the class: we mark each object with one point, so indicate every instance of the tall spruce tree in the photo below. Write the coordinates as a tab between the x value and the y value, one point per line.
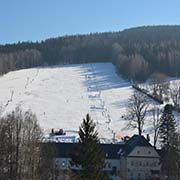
169	144
89	155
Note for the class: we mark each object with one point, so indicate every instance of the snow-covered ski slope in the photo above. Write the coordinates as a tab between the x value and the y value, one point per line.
61	96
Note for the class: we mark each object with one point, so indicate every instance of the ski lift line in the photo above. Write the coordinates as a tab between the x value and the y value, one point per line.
105	114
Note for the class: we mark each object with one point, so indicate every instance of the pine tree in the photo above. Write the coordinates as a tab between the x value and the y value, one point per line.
169	144
89	155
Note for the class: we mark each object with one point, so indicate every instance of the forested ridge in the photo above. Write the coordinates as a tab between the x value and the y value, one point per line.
137	52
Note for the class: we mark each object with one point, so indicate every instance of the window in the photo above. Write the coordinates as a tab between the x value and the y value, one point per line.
144	163
138	152
136	163
149	152
132	163
155	164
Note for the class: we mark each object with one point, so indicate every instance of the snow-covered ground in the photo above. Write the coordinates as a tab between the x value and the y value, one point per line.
61	96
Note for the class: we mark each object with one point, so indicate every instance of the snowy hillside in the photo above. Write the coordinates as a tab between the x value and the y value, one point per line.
61	96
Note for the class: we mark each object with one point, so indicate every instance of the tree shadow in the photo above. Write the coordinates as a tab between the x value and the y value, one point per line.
102	77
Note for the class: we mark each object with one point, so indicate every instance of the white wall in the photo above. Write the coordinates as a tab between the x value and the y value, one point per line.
141	161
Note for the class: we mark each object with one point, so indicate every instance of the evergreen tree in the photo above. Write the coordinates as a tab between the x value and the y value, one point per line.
169	143
89	155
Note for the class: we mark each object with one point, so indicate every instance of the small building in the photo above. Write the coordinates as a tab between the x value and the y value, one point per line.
134	159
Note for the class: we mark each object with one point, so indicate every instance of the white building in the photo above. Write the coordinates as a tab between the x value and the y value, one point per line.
139	160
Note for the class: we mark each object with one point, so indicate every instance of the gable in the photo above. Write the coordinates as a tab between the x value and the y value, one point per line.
144	151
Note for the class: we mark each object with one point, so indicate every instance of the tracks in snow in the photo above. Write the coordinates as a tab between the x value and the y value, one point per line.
97	104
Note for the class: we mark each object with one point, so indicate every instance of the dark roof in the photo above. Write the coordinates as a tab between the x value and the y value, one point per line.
136	140
111	151
65	150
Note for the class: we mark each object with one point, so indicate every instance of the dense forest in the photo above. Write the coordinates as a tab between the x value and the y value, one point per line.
136	52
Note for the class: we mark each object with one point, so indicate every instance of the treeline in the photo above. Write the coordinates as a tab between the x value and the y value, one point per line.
19	60
146	50
137	52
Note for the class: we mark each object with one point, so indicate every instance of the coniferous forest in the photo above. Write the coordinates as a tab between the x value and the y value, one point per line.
136	52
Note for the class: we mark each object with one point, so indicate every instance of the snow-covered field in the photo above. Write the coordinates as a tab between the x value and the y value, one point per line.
61	96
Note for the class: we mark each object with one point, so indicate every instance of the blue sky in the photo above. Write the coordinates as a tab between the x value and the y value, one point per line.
31	20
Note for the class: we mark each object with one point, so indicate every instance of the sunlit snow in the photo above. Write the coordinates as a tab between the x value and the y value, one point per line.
61	96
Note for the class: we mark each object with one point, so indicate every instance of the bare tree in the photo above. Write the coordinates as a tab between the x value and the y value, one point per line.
175	93
22	154
136	112
156	122
20	137
48	168
160	86
138	66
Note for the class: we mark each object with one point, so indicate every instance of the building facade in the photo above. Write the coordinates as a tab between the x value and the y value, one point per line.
134	159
